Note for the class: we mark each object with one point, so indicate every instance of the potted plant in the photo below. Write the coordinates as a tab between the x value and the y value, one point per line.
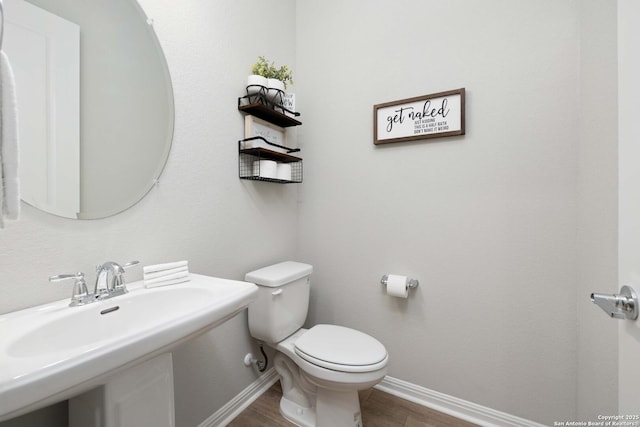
257	81
278	83
276	79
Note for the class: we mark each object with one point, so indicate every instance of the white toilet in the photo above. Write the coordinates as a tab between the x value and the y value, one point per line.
321	369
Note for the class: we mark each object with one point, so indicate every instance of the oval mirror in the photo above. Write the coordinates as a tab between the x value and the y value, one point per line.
95	104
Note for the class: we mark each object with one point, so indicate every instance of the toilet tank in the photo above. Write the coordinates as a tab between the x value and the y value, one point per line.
283	300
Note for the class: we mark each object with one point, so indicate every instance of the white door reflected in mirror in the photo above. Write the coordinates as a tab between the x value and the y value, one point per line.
44	51
125	113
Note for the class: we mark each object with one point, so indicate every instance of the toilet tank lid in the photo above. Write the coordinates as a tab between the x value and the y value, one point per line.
279	274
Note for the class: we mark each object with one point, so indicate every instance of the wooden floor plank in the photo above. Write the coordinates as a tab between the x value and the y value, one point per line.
379	409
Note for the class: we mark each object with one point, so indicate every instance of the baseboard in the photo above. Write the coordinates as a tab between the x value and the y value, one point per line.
462	409
246	397
453	406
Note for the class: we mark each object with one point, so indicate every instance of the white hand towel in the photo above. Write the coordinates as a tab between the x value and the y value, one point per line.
163	273
179	275
171	273
163	267
9	148
166	282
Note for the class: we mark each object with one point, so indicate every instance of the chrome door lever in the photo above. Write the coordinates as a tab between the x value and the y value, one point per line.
620	306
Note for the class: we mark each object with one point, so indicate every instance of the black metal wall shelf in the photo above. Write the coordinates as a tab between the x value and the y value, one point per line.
258	105
249	165
256	155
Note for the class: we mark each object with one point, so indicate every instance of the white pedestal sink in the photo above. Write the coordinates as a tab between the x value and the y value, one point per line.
139	396
54	352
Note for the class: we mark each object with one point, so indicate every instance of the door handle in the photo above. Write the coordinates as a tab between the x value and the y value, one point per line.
620	306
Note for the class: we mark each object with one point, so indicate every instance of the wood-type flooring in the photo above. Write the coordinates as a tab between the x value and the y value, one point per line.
379	409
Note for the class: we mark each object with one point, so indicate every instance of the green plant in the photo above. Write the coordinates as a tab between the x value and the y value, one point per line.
268	69
285	75
263	68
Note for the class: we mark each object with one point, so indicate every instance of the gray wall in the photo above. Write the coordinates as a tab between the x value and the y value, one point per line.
597	255
507	228
487	222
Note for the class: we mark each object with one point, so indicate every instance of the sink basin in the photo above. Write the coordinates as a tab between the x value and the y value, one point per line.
52	352
82	330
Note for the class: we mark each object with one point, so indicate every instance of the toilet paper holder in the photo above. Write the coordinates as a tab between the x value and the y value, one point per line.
411	283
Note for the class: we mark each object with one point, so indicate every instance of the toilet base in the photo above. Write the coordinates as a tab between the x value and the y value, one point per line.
308	405
297	414
338	408
333	409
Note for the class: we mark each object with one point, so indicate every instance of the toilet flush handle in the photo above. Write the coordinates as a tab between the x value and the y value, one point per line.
276	292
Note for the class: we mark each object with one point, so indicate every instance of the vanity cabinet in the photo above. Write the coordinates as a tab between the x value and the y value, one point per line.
260	159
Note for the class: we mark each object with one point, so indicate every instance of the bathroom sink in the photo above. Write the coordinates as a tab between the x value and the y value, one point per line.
52	352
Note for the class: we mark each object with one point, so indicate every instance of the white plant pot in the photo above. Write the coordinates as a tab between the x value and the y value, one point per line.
255	84
275	90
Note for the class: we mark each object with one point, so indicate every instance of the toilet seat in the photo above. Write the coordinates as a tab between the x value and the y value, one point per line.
341	349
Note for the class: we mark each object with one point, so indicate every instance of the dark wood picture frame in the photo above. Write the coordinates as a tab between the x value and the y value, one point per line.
435	115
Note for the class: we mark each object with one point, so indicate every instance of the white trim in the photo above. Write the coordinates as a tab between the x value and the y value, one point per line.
458	408
246	397
453	406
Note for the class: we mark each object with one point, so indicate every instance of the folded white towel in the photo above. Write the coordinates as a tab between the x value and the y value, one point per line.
163	273
163	267
179	275
170	273
9	142
166	282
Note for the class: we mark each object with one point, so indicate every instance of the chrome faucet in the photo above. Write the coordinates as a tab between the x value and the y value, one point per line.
104	288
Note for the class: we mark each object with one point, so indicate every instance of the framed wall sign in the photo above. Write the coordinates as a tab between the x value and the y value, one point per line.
430	116
262	134
254	126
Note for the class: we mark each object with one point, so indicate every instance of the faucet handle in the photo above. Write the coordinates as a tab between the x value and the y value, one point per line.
130	264
118	279
80	293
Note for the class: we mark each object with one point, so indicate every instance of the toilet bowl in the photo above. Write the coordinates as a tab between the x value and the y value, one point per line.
335	354
329	383
322	368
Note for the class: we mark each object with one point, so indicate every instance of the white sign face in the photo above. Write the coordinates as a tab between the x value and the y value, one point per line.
254	126
289	103
429	116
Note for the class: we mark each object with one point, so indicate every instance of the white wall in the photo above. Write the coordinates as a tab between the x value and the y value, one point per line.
597	357
506	227
201	211
628	198
487	222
